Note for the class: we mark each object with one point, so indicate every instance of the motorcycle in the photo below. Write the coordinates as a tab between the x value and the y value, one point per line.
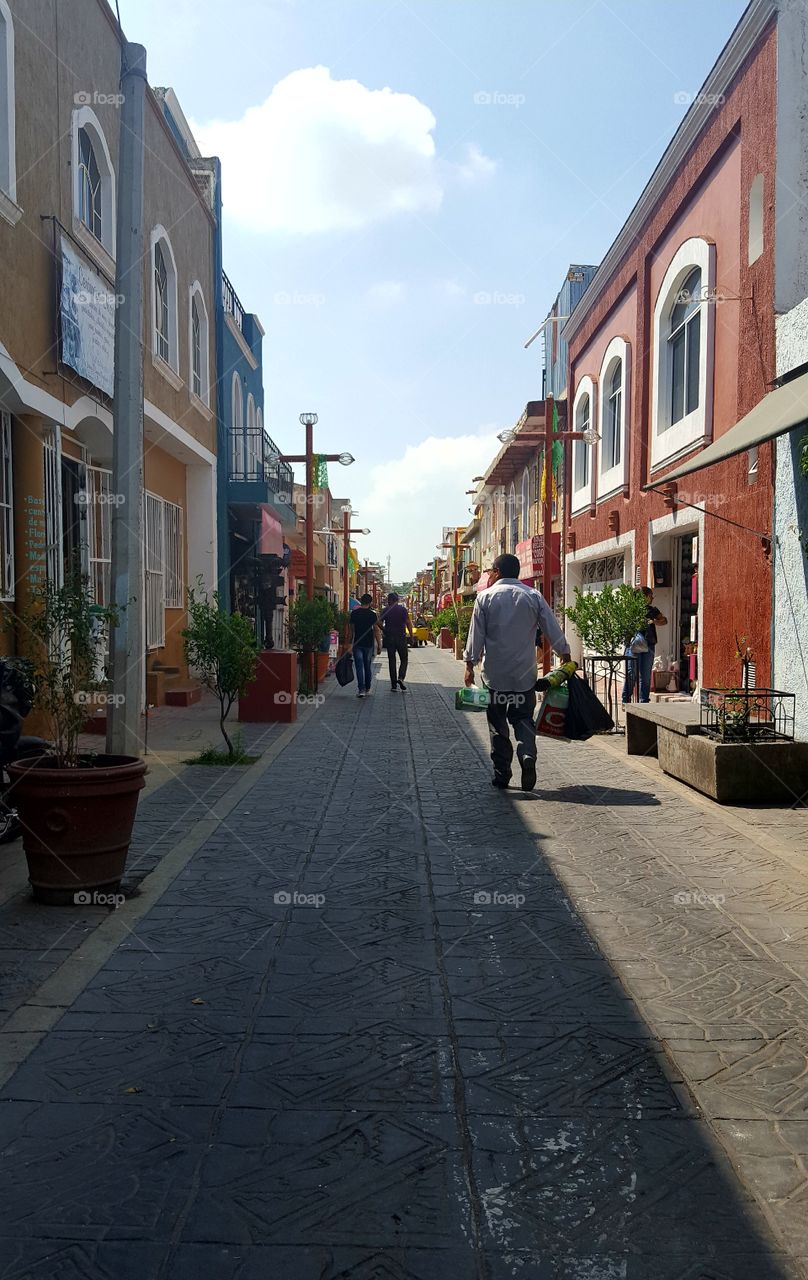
16	699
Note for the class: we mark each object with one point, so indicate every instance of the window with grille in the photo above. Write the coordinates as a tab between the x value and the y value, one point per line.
172	539
6	510
581	459
154	571
161	305
684	346
99	532
89	187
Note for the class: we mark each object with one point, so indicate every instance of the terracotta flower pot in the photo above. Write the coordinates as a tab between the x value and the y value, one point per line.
77	823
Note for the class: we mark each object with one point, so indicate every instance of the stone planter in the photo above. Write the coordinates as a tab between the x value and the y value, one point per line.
735	772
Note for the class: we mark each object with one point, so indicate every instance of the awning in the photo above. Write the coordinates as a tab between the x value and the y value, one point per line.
776	413
270	541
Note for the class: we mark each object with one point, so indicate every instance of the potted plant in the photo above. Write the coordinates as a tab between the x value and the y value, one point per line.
222	650
310	622
77	809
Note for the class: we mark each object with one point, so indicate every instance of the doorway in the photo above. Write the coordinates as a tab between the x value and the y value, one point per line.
686	609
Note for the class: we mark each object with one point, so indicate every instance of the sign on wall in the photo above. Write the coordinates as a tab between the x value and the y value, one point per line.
86	321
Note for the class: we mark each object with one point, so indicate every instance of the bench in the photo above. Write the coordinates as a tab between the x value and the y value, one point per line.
643	719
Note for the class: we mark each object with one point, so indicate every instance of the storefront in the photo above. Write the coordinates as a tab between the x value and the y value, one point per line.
531	565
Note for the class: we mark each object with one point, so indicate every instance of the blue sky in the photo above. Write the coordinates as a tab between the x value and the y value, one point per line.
405	184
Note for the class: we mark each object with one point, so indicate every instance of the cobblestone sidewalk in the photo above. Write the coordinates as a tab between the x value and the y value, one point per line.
390	1024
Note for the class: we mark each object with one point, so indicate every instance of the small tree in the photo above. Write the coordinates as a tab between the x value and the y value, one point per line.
221	649
309	622
61	634
608	620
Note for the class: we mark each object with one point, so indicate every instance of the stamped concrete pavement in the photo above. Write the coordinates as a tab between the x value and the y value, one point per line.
387	1023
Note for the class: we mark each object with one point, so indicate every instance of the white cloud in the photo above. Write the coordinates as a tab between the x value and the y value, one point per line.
476	167
410	498
331	155
386	292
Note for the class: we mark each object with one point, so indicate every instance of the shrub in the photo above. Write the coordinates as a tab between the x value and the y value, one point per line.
221	649
608	620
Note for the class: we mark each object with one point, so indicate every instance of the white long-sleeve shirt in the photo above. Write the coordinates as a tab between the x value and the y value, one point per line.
503	633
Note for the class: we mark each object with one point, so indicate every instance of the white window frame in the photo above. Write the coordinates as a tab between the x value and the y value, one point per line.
8	129
670	441
99	532
581	497
173	556
524	502
238	462
154	570
196	296
613	479
85	118
159	236
255	453
7	579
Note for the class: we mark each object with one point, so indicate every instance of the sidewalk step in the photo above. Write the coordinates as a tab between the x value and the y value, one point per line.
183	695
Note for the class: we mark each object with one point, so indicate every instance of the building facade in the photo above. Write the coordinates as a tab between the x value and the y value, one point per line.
670	348
57	281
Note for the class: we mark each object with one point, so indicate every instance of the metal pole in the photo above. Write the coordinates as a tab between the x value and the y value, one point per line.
547	566
309	512
346	521
127	578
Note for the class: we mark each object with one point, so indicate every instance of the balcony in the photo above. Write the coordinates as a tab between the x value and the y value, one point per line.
256	475
232	305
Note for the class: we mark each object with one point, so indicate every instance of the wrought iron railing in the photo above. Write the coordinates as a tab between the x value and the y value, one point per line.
231	302
747	715
255	459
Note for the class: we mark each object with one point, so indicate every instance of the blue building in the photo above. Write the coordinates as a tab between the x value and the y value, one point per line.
254	504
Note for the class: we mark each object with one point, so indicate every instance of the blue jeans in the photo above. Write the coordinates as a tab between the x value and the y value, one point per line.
363	661
643	661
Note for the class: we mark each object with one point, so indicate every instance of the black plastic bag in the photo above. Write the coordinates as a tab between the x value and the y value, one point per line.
344	668
586	714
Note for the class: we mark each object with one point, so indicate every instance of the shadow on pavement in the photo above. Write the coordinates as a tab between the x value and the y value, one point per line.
606	796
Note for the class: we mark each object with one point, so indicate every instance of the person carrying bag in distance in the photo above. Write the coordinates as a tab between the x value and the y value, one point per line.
503	629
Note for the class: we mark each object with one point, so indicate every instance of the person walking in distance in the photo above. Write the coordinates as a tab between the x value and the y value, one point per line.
366	637
396	626
642	663
506	617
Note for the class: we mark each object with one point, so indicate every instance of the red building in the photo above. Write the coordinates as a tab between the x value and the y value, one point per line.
671	345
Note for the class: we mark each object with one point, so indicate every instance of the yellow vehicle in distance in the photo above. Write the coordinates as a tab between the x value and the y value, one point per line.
421	633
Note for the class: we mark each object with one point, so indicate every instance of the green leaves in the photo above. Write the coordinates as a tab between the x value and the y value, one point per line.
310	622
608	619
221	649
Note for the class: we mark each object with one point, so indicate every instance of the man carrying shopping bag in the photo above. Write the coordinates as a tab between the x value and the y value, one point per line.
503	628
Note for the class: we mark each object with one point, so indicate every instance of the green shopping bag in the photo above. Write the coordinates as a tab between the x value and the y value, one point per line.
472	699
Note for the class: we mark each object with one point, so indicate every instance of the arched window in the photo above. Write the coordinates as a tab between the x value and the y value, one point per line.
582	416
8	160
237	452
512	519
684	343
164	299
93	182
525	505
89	185
612	426
198	343
684	324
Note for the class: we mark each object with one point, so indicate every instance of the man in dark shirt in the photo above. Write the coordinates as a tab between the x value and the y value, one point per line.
396	626
366	637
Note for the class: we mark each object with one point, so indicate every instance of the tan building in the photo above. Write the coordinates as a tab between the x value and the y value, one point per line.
59	122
